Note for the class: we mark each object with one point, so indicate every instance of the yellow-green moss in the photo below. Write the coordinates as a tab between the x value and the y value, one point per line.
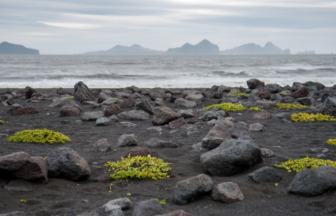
2	122
227	107
301	164
299	117
291	106
237	93
331	141
39	136
139	167
283	92
70	96
255	108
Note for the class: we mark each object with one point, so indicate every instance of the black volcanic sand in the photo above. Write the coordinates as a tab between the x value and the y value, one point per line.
65	197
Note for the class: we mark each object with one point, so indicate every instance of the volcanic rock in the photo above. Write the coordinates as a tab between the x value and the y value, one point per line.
254	83
227	192
25	110
137	115
265	174
164	115
127	140
82	93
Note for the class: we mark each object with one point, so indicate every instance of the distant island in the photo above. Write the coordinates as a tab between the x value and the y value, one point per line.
253	49
124	50
306	53
205	47
13	49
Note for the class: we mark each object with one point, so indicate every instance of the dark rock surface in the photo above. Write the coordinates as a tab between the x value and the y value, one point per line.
265	174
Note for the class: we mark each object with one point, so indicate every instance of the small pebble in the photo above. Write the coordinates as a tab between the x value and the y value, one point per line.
94	163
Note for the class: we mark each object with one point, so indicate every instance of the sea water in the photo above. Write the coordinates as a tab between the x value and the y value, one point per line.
163	71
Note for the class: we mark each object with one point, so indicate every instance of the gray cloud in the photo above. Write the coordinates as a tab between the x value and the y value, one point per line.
68	27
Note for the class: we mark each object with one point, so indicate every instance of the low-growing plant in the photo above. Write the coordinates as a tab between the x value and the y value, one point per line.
291	106
283	92
161	201
331	141
255	108
2	122
301	164
227	107
70	97
299	117
139	167
237	93
39	136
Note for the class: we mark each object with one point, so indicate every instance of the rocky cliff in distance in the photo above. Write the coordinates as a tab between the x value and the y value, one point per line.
13	49
124	50
253	49
205	47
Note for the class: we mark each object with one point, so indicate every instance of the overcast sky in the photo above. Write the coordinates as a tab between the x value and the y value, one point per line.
77	26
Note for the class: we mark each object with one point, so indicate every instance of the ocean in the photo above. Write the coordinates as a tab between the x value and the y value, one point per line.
163	71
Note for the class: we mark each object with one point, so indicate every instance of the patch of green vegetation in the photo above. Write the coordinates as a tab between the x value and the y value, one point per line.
227	107
255	108
139	167
283	92
237	93
2	122
161	201
301	164
39	136
331	141
70	97
291	106
299	117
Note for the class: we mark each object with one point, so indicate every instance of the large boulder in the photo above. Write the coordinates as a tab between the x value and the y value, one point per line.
216	135
316	85
157	143
189	189
110	101
25	110
273	88
312	182
306	101
21	165
265	174
136	115
185	103
300	93
164	115
287	99
262	115
231	157
65	162
198	98
264	94
149	207
142	104
329	106
103	145
82	93
28	92
176	123
227	192
254	83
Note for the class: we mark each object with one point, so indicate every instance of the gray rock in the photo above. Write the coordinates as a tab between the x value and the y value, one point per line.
103	121
265	104
329	106
325	150
216	135
239	131
157	143
113	118
273	88
287	99
186	113
254	83
256	127
60	102
266	153
185	103
189	189
209	115
164	115
127	140
82	93
113	210
198	98
306	101
103	145
136	115
262	115
265	174
154	129
92	116
231	157
159	102
157	93
227	192
142	104
320	156
16	213
124	203
229	99
149	207
312	182
65	162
